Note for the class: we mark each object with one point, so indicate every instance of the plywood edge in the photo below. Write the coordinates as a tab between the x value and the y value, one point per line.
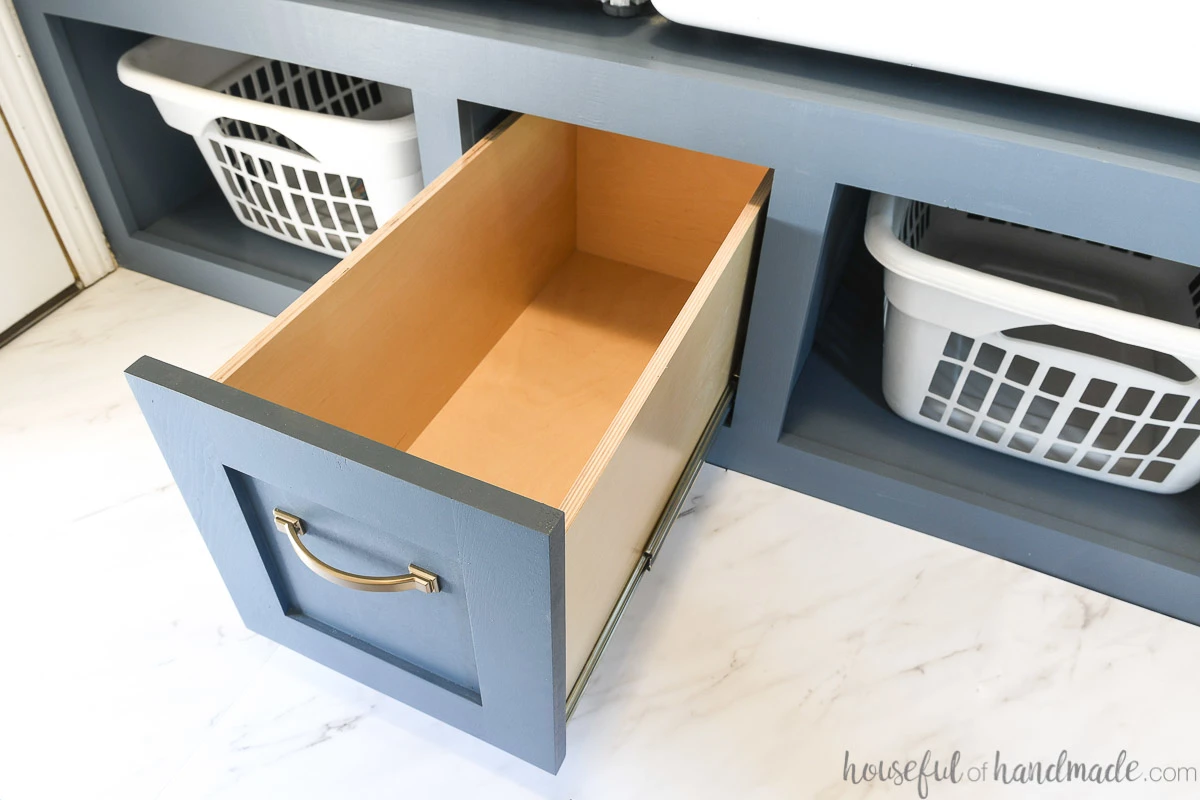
621	424
362	252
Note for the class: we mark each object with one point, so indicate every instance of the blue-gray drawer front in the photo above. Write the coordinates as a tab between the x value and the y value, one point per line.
485	654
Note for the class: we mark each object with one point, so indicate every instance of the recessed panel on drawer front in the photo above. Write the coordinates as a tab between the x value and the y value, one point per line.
424	634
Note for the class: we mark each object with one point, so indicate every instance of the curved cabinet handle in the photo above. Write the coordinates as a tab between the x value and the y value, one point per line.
419	579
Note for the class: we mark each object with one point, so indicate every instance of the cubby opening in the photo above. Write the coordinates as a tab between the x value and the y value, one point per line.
837	411
168	202
160	183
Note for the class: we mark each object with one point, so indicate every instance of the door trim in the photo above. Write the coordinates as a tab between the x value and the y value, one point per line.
40	140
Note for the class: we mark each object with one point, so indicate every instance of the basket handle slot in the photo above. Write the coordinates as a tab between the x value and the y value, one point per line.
236	128
1091	344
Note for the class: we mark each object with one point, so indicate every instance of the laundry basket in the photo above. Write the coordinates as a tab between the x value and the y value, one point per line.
1057	350
305	155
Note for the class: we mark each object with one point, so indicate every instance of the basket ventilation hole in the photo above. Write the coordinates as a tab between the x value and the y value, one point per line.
916	224
994	221
980	388
326	209
1194	290
294	86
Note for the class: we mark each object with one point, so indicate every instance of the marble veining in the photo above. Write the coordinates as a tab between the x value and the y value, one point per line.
127	673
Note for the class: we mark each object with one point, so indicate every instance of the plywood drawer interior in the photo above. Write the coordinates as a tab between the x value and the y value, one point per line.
500	330
521	363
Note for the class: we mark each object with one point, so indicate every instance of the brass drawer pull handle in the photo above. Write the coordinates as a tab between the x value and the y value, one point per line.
416	578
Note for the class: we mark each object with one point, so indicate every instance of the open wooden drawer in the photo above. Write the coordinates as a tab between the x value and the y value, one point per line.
491	401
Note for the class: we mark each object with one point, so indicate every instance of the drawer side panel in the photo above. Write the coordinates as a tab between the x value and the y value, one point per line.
608	534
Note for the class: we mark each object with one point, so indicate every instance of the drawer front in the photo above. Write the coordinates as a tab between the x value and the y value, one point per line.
485	653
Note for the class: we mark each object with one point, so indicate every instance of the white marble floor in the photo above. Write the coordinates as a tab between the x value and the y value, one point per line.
126	673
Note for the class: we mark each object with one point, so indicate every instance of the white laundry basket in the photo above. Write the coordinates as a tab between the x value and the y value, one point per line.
305	155
1057	350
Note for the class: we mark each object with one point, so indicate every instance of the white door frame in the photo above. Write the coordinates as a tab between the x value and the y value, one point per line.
38	136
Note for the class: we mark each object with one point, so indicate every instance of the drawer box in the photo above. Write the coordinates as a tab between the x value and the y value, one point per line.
491	400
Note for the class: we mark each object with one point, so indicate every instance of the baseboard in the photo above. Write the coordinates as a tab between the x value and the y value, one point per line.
38	314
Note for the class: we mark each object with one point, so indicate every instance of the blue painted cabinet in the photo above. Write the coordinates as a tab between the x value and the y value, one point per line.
498	394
